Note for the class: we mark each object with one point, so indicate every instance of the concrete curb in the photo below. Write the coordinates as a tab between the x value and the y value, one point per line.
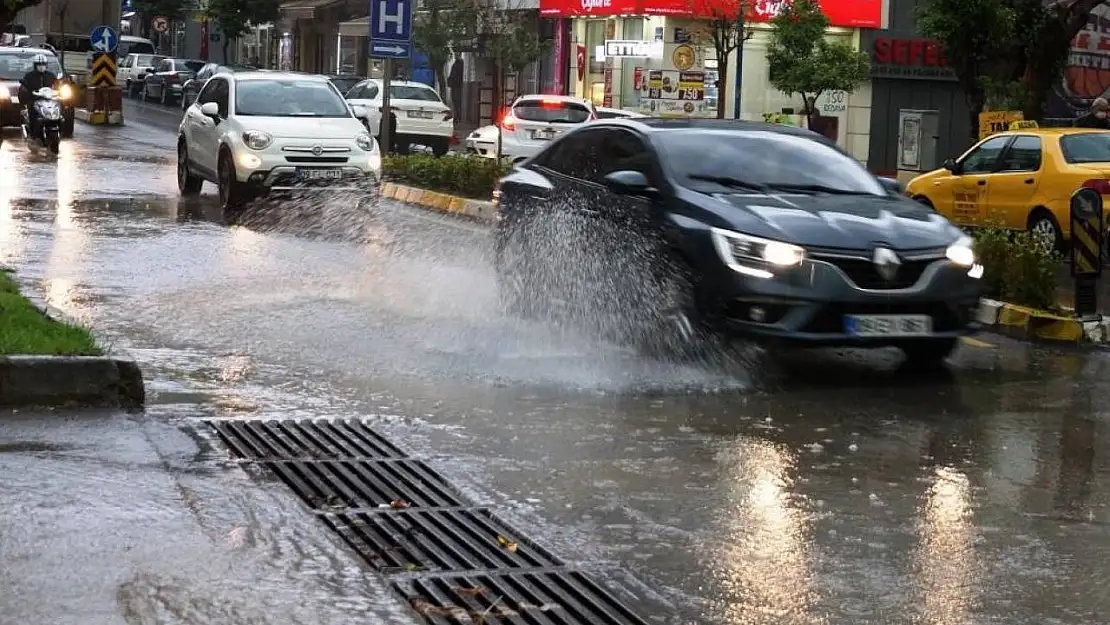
113	380
99	118
440	202
1030	324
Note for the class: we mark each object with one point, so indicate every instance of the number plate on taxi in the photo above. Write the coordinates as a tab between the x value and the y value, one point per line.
888	325
319	174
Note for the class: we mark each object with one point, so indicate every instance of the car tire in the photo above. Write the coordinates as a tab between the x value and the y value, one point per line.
1043	226
187	183
674	328
513	277
928	355
232	192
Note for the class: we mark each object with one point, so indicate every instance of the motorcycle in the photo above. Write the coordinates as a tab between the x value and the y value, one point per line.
48	108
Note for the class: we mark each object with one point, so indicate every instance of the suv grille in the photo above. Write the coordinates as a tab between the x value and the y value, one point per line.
865	276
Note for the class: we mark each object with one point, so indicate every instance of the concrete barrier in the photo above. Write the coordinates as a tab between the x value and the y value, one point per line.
1022	322
439	202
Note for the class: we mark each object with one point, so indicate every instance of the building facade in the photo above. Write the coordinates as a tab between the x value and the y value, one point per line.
919	116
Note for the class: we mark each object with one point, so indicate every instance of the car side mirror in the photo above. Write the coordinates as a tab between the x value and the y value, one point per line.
150	70
211	109
628	182
361	112
951	165
892	186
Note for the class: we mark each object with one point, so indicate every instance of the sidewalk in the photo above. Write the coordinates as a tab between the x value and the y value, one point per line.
107	519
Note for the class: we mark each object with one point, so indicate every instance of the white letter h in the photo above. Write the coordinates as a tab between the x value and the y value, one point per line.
385	17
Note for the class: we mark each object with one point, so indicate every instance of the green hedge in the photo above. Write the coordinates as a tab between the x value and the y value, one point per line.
1016	269
454	174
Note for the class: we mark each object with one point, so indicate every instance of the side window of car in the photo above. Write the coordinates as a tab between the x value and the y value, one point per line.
984	158
371	92
207	93
1024	155
623	150
221	95
356	92
165	66
127	61
576	156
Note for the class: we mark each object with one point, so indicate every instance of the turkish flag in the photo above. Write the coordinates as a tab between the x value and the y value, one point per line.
580	58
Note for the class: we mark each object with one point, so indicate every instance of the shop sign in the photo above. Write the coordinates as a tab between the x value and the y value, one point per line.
833	103
674	94
845	13
616	49
991	122
908	57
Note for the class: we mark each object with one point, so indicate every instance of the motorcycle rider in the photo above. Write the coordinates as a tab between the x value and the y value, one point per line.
34	80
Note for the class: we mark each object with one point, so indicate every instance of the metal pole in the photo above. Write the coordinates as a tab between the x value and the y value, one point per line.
387	114
739	73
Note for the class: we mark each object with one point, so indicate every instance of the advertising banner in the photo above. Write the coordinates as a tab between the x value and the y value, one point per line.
845	13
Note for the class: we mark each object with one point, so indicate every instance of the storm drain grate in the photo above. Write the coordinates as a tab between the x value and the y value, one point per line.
333	485
438	540
569	598
303	438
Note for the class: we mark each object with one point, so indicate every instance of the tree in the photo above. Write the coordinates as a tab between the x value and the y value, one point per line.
9	9
440	29
803	62
172	9
235	17
723	24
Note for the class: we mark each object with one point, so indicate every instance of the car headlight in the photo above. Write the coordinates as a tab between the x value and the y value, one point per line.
961	252
735	248
257	140
66	92
4	93
365	142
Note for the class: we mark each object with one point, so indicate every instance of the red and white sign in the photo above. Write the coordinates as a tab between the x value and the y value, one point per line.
845	13
580	60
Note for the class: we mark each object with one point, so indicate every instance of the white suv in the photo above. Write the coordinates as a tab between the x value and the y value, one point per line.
533	121
422	117
255	132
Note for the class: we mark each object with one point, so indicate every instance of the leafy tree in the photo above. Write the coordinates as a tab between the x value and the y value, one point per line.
803	62
235	17
511	41
722	23
9	9
441	28
172	9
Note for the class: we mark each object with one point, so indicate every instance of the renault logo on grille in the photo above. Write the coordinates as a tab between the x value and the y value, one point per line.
317	150
886	263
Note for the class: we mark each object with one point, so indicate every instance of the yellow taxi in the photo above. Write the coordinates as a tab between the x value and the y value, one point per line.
1021	179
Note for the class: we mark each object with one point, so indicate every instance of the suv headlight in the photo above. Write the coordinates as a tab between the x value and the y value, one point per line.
735	248
365	142
257	140
962	252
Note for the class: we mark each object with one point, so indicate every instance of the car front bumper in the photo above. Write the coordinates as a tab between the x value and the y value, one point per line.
809	304
284	178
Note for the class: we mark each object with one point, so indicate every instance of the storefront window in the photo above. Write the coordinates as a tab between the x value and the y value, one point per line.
634	29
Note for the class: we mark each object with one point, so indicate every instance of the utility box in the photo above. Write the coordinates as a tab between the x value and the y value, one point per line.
918	134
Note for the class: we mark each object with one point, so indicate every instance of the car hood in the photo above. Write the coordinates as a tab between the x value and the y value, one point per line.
850	222
305	127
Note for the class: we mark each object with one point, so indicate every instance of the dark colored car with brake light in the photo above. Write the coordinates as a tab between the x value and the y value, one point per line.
696	228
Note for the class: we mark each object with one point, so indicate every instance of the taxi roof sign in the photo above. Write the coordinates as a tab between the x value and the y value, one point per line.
1023	123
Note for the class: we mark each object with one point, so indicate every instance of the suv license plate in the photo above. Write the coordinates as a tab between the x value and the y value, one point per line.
888	325
319	174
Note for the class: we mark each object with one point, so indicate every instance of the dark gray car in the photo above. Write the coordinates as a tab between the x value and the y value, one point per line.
193	86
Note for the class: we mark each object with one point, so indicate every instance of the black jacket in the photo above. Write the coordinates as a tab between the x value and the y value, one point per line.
1090	121
33	81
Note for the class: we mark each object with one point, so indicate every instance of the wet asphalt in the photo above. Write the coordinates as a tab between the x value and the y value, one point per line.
809	488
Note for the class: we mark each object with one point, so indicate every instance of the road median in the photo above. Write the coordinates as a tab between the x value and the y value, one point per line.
48	361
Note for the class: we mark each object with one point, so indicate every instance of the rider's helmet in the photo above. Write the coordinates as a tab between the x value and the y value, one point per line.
40	62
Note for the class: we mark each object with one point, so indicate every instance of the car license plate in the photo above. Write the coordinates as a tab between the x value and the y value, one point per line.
420	114
319	174
888	325
543	135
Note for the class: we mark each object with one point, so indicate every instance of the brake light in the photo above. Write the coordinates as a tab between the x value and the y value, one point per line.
552	104
448	116
172	78
1101	185
508	122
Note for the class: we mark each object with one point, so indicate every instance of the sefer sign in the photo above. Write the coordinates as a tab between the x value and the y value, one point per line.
909	57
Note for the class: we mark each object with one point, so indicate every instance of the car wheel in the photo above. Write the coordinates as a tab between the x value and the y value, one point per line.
925	355
187	183
921	199
672	326
1045	230
513	278
232	192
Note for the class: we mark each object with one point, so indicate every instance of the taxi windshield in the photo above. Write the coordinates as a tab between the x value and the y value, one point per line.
1087	147
15	65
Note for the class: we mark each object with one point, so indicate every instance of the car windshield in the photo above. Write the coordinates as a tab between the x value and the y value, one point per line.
289	98
409	92
147	60
186	64
1088	147
762	159
551	111
15	65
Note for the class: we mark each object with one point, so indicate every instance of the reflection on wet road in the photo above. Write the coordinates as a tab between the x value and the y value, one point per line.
825	489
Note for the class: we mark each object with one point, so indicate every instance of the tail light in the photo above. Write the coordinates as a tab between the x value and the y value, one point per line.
508	123
448	116
1101	185
172	79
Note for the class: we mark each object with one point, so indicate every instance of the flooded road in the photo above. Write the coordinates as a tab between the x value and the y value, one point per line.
824	488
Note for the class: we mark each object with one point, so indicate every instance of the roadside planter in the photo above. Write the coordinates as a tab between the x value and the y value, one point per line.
46	361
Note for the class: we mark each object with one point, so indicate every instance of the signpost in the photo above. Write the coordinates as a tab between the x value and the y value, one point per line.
1086	249
390	38
160	24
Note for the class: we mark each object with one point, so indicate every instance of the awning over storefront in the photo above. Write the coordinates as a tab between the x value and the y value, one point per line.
305	9
355	28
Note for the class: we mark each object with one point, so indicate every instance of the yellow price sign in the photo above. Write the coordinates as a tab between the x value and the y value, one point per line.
992	122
